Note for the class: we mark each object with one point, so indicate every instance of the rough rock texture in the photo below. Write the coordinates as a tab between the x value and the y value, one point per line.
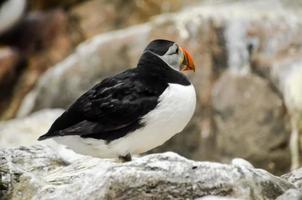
38	173
25	131
294	177
291	194
248	105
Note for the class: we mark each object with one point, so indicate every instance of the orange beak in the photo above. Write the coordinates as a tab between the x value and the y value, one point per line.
188	61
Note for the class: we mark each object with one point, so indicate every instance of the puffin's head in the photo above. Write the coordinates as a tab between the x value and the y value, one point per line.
175	56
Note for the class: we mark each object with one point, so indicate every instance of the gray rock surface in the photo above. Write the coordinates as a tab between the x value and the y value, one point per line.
248	105
37	172
294	177
291	194
25	131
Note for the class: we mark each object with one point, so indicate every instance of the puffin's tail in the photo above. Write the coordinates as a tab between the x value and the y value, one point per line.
43	137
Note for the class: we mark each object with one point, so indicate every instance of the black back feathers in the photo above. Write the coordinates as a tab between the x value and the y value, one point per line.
111	109
116	106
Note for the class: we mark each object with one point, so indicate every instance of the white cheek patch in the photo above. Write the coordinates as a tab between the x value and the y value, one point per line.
172	61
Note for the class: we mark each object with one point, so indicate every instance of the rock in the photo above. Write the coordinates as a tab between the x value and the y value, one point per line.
248	105
25	131
37	172
9	71
40	31
130	13
294	177
216	198
42	39
292	194
11	13
8	65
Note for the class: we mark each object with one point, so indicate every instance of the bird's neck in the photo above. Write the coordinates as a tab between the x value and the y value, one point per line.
150	62
152	65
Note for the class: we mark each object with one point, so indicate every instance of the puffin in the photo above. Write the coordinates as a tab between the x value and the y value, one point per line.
134	111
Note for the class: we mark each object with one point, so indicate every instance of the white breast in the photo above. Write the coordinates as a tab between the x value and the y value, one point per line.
175	109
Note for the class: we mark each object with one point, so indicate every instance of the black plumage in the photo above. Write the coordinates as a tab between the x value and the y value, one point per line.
115	106
160	47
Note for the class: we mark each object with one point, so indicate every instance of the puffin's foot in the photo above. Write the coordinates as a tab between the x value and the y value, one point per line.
125	158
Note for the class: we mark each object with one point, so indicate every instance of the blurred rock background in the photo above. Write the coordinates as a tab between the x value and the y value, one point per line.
245	53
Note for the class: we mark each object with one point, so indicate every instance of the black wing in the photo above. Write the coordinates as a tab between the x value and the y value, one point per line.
110	109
